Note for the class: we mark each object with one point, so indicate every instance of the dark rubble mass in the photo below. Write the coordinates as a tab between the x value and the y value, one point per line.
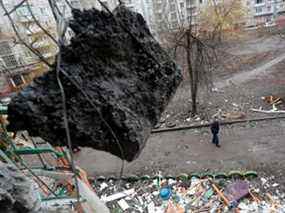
127	75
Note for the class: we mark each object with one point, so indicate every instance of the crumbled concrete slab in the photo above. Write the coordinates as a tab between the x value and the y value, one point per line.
129	77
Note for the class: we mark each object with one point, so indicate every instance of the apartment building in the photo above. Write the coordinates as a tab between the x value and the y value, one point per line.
18	65
144	7
169	14
264	12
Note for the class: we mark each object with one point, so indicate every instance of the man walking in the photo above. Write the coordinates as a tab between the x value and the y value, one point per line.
215	128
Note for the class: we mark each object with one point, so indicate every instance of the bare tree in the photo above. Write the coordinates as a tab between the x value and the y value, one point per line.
196	53
194	40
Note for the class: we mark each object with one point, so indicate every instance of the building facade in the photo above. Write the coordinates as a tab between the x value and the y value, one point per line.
264	12
18	65
170	14
144	7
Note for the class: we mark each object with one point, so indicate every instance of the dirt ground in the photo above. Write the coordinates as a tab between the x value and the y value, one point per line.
256	145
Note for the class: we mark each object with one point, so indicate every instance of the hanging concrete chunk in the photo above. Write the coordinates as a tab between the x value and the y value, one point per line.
126	75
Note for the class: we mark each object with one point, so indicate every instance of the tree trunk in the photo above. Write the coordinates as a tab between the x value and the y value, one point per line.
193	83
194	101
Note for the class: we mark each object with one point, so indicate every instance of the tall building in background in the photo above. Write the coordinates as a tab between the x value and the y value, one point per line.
18	65
169	14
265	12
144	7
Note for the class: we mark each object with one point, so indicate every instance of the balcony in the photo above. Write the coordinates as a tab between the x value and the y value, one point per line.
25	19
262	11
259	4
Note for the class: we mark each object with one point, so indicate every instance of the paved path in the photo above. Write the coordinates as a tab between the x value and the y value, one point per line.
245	76
245	147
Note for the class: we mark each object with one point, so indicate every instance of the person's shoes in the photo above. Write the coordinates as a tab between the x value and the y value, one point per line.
217	145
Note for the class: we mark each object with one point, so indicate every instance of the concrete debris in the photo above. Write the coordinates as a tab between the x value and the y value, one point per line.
18	193
123	204
118	195
191	195
188	119
234	115
272	100
113	62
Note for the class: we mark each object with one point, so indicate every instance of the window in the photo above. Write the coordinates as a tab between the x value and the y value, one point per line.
23	11
5	48
173	16
17	80
268	19
10	61
187	3
258	9
159	16
259	1
181	5
269	8
174	24
2	65
191	11
172	7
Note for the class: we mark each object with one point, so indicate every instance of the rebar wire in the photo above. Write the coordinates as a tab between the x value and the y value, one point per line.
67	130
61	32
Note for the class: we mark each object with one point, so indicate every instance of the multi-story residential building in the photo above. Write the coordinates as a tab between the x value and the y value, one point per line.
17	61
264	12
170	14
144	7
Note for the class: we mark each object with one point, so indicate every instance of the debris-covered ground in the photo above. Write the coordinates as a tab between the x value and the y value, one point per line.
235	92
183	194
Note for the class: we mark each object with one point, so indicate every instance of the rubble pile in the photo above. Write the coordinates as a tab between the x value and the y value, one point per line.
163	195
116	62
17	192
